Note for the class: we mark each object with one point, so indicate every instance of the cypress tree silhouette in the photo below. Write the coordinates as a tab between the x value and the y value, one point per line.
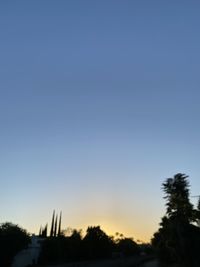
44	231
52	224
40	232
59	227
55	226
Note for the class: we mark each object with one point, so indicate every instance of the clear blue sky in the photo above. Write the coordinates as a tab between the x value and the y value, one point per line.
99	103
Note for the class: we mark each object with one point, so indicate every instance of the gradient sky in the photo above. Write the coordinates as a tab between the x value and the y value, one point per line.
99	103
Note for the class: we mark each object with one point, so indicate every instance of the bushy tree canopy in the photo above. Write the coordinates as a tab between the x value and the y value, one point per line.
176	191
178	239
96	243
12	239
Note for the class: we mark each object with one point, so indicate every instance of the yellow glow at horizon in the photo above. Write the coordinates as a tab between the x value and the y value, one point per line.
136	229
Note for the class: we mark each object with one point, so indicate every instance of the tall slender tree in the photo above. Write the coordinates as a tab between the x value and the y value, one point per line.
52	224
55	226
40	232
59	227
44	231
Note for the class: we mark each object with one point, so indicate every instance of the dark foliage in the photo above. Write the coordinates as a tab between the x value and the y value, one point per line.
127	247
12	240
176	191
53	250
96	244
61	248
178	239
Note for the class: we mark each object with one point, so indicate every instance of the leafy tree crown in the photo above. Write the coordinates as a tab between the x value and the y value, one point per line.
176	191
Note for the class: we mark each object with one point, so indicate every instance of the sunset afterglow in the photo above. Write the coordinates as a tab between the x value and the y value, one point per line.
99	104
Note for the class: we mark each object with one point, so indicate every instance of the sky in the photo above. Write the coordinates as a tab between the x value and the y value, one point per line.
99	104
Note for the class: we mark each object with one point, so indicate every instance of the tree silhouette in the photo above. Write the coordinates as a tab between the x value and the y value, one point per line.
198	212
127	246
59	226
178	240
55	226
198	204
44	231
96	243
176	191
12	240
52	224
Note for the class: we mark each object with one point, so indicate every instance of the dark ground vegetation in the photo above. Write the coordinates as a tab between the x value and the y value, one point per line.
96	244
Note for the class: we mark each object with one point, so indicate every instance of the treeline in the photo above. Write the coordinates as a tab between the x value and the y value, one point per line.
177	241
96	244
55	249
